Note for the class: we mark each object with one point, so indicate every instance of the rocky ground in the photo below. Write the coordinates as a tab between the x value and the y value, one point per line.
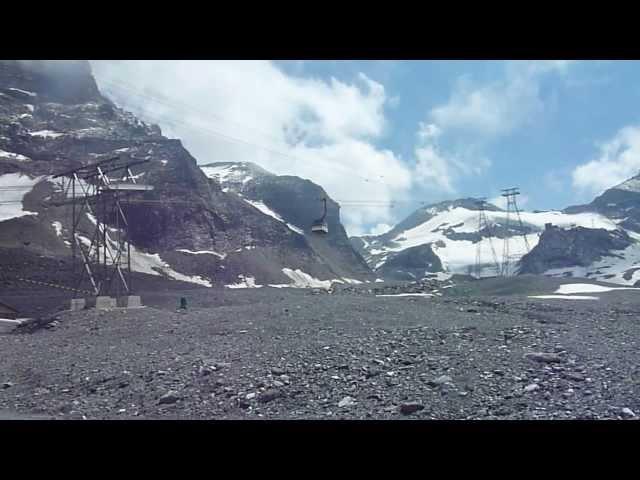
300	354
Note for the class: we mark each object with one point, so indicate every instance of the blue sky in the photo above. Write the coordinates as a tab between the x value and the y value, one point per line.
403	131
585	106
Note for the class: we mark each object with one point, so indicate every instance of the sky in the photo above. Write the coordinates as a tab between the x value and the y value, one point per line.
386	137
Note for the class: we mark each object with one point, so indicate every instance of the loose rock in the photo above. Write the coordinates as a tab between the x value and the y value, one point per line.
410	407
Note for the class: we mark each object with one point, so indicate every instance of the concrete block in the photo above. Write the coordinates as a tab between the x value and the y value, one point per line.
78	304
129	301
103	302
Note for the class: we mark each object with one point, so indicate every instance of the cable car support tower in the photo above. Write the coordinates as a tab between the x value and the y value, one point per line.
99	193
509	260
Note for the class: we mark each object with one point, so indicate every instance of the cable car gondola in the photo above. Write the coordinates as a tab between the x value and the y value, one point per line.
320	225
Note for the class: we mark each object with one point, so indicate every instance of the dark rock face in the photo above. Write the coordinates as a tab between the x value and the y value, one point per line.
579	246
53	118
61	81
411	263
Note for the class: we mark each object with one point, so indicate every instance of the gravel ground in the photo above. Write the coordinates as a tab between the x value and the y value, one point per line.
299	354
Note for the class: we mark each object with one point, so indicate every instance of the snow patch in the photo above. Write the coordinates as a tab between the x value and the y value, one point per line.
267	211
26	92
565	297
407	295
46	134
298	230
203	252
152	264
227	173
14	156
570	288
304	280
245	282
58	228
20	185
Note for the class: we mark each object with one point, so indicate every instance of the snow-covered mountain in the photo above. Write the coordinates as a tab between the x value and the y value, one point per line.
197	230
445	237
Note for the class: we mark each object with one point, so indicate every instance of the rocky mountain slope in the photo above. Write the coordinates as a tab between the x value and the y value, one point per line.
53	118
296	203
604	255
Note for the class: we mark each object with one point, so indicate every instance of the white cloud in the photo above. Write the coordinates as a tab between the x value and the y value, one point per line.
379	229
437	168
318	129
432	167
618	160
452	142
497	108
428	131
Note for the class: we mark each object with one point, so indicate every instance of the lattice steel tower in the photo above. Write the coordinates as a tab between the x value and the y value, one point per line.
512	207
105	255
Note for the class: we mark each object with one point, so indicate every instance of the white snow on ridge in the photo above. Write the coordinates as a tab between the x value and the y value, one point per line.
267	211
569	288
203	252
23	184
14	156
264	209
298	230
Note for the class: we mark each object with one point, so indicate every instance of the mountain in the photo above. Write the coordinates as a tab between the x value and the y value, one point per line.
194	229
610	255
579	249
620	203
444	238
295	203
